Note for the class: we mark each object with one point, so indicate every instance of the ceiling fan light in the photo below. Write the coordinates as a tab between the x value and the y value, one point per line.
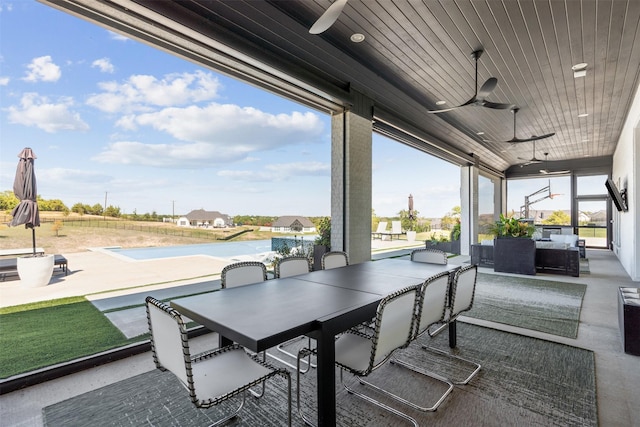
357	37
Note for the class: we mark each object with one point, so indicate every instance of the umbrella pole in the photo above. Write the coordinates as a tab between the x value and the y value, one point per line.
33	236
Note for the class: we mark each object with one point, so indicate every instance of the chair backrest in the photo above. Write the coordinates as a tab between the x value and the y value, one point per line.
334	259
382	227
292	266
431	256
432	302
393	324
396	227
243	273
463	288
169	342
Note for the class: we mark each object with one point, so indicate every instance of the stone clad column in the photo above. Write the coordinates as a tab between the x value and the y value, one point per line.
351	169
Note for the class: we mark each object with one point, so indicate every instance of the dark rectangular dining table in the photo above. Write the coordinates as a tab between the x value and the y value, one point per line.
320	304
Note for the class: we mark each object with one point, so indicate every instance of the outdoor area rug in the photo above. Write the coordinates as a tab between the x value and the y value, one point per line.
523	381
539	305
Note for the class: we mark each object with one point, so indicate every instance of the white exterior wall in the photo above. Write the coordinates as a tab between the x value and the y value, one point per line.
626	173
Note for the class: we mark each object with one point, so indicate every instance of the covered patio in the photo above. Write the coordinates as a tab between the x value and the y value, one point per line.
416	58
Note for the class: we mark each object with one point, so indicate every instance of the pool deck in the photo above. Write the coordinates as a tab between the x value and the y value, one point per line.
99	273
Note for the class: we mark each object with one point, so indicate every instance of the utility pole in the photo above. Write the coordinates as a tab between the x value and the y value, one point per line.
173	211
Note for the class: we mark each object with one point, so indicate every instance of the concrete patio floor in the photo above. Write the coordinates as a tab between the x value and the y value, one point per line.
111	279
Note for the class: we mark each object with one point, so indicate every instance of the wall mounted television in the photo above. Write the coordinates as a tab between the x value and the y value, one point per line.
619	198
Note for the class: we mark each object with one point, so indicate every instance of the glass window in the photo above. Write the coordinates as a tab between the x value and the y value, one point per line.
486	208
545	200
591	185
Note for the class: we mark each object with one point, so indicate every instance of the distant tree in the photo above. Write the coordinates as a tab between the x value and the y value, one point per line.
558	218
79	208
96	209
112	211
8	200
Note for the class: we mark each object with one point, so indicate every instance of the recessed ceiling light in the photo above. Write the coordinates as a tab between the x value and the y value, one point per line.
357	38
583	115
441	102
585	140
579	70
480	133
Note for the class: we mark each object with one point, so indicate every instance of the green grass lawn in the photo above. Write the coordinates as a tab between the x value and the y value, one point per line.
46	333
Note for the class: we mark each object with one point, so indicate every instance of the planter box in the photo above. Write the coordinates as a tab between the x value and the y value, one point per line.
514	255
450	247
318	251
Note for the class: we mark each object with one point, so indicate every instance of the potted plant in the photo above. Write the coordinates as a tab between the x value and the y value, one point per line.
322	244
514	251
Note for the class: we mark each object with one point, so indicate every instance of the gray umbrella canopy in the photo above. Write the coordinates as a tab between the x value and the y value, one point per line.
24	187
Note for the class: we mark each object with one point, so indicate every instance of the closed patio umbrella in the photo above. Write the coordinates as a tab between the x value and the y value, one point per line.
24	187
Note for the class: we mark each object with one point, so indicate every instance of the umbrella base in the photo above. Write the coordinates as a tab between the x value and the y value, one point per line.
35	271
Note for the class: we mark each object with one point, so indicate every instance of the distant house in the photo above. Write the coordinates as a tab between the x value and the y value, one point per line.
206	219
293	224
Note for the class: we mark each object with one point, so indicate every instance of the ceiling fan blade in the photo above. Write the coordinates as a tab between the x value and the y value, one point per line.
487	88
329	16
533	138
548	172
497	106
469	102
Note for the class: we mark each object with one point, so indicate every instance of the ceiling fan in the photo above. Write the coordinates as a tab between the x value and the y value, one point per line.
531	161
478	98
329	16
546	170
515	139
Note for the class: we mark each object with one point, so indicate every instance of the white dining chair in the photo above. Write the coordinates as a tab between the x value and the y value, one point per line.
463	286
360	354
334	259
292	266
430	256
243	273
210	377
288	267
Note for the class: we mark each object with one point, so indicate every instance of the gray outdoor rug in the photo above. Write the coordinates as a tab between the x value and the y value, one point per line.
539	305
523	381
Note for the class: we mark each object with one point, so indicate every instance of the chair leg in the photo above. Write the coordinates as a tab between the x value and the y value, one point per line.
453	356
280	348
375	402
404	364
259	394
230	416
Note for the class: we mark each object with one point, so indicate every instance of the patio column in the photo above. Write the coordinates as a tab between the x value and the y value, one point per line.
468	208
351	169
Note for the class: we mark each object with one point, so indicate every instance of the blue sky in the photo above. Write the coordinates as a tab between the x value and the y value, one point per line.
109	115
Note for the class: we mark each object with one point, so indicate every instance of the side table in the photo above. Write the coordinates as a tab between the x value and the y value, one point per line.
629	319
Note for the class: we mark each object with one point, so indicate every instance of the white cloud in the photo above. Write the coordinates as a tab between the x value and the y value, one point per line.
38	111
212	135
116	36
104	64
230	126
279	172
7	7
4	81
42	69
142	92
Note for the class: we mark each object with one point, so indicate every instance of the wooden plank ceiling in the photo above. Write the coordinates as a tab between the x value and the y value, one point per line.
416	53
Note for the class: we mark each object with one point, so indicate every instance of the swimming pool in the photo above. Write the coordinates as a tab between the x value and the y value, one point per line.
222	250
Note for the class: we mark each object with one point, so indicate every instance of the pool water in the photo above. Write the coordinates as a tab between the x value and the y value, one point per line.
222	250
